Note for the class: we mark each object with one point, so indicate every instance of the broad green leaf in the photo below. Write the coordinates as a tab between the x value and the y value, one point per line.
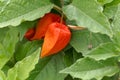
82	40
48	69
87	68
116	27
7	46
3	32
109	11
104	51
3	4
22	68
119	58
88	14
116	39
24	49
111	8
6	68
16	11
2	75
116	22
104	1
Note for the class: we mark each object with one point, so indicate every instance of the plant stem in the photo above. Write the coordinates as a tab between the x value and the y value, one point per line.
62	3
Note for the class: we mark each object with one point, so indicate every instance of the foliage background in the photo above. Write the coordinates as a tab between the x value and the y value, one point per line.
92	54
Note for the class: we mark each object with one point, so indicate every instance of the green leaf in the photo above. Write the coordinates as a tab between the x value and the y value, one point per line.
38	68
77	55
66	2
3	4
111	9
7	46
115	77
116	28
116	22
3	32
22	68
104	1
6	68
87	68
16	12
87	13
116	39
56	2
68	57
2	75
104	51
24	49
48	69
71	78
81	40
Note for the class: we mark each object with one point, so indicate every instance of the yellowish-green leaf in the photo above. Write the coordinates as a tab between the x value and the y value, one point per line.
2	75
22	68
7	45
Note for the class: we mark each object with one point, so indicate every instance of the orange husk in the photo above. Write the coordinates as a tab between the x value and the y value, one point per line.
43	23
56	38
30	33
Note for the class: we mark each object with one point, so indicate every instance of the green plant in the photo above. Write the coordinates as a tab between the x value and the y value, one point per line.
93	52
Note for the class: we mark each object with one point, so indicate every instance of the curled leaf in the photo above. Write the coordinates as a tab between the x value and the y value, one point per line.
56	38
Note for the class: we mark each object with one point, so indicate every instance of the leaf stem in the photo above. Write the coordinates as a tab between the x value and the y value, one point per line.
76	27
62	3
